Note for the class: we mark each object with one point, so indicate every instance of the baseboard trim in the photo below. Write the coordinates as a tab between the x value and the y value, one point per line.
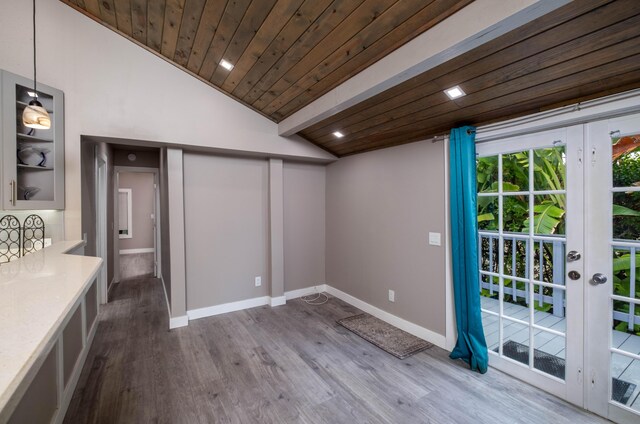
174	322
295	294
177	322
418	331
228	307
113	281
277	301
134	251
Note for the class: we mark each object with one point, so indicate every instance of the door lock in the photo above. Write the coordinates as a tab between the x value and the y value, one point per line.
573	256
598	278
574	275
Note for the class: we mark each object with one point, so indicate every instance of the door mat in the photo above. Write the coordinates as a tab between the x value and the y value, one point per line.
621	390
387	337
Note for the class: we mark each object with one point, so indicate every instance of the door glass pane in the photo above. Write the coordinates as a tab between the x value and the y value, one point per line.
626	167
515	341
488	213
515	299
549	261
550	309
515	172
549	214
549	354
516	252
487	174
626	215
515	214
549	170
625	381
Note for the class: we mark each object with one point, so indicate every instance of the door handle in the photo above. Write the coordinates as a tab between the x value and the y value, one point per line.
12	194
598	278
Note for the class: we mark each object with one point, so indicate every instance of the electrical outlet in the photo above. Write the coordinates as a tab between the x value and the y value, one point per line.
434	239
392	296
258	281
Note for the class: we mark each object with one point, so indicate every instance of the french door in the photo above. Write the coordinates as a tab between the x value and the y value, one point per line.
530	205
612	238
559	261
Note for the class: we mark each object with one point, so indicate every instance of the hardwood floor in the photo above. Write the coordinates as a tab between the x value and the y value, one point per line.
288	364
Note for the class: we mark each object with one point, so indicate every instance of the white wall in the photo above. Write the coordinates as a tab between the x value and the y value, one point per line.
114	88
381	207
142	200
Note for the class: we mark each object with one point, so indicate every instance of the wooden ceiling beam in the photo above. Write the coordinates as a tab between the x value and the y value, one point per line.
474	25
596	47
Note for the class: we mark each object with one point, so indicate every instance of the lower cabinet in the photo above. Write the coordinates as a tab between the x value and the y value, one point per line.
47	395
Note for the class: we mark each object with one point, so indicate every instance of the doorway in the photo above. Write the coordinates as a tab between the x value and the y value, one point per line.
559	233
136	212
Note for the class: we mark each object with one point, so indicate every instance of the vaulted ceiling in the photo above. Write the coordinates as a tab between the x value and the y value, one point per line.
288	53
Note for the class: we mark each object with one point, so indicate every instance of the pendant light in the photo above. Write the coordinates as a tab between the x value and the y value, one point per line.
34	115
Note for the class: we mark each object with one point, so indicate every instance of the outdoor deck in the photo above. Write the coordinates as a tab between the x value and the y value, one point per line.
623	368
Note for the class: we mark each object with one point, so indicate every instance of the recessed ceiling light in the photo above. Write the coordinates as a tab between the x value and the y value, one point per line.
226	65
454	92
338	134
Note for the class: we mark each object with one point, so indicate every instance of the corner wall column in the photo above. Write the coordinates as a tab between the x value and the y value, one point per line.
276	232
175	188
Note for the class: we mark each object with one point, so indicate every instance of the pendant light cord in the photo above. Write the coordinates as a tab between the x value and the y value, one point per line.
35	91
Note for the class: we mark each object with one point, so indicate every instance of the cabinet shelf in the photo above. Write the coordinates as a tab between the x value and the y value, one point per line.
23	105
35	167
31	161
26	137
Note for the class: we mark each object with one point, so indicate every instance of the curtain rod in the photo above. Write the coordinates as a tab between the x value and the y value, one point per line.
441	137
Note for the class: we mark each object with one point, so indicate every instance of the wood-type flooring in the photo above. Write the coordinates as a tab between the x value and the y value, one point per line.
287	364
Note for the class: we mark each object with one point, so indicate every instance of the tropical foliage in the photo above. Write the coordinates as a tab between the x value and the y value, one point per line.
549	210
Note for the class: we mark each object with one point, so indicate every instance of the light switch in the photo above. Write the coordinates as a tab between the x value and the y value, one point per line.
434	239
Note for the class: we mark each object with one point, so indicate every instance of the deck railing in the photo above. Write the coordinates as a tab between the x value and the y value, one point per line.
630	318
489	266
488	258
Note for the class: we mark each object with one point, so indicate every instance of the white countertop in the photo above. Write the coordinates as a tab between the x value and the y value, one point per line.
37	292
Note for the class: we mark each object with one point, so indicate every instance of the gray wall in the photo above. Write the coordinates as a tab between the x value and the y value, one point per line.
304	225
142	198
226	228
381	207
164	224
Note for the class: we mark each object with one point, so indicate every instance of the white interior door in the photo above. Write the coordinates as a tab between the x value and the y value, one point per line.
532	296
612	312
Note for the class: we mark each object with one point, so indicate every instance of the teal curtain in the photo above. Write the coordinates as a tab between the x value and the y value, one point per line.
471	345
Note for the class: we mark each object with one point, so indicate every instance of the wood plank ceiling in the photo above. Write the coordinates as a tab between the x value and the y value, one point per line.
288	53
584	50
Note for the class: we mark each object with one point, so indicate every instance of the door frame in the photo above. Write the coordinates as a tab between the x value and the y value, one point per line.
156	217
101	184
